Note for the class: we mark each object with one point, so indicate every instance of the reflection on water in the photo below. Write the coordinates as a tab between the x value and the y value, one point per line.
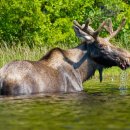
100	107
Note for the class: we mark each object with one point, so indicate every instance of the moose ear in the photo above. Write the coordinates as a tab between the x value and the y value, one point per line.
82	35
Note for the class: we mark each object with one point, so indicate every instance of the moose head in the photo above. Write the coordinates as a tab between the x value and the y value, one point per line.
100	49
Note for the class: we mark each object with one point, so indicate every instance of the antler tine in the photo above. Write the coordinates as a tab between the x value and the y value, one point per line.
85	27
99	29
86	24
77	29
114	33
109	27
77	24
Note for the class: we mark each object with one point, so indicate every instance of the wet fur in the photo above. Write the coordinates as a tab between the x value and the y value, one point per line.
54	72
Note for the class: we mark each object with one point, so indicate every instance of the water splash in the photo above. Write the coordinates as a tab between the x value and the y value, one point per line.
123	83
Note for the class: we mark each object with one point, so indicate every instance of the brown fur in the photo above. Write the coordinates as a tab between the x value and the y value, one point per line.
54	72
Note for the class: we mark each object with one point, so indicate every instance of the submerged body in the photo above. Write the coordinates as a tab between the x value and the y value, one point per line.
53	73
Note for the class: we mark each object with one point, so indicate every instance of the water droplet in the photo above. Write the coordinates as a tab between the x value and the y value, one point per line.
123	83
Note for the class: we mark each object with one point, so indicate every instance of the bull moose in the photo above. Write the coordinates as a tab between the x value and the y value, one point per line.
65	70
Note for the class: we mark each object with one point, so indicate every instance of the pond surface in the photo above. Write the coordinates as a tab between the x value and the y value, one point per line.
102	106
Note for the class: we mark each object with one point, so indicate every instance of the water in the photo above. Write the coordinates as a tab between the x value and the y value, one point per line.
100	107
123	82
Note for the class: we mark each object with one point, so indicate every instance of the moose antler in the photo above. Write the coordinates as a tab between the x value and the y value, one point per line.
109	28
107	24
89	30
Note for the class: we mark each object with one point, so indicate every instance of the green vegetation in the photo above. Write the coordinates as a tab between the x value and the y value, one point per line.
24	52
49	22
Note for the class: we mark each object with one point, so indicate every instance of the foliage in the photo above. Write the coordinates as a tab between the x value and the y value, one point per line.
49	22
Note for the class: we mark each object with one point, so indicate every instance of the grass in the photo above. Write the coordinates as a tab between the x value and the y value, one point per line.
19	52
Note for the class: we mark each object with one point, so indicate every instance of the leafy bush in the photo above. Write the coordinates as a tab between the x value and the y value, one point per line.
49	22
